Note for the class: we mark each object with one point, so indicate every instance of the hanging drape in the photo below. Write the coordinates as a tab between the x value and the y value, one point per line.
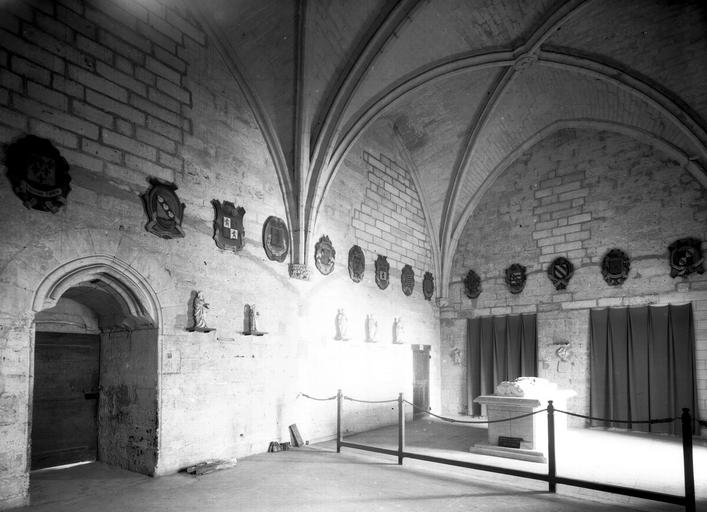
499	348
642	365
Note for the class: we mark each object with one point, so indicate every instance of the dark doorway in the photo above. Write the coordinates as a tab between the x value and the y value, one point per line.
65	405
421	379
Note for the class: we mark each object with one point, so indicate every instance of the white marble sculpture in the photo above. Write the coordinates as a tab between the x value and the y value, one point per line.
525	387
398	330
199	311
341	325
371	328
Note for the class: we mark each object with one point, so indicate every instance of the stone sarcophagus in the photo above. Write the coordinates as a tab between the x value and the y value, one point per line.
521	438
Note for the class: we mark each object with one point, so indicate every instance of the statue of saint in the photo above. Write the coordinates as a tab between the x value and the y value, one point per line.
254	319
371	328
200	307
398	330
341	325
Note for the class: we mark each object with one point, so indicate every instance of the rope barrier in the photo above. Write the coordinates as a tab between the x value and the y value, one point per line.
452	420
369	401
703	423
315	398
657	420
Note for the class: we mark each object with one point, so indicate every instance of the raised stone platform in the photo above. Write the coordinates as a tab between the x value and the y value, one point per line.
531	430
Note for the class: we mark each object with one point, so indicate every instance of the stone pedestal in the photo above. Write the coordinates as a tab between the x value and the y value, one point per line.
532	430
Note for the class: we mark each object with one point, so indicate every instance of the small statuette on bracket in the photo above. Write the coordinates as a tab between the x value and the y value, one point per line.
251	321
398	331
341	325
371	329
199	313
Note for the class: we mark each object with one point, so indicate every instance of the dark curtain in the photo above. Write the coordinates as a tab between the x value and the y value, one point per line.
642	365
499	348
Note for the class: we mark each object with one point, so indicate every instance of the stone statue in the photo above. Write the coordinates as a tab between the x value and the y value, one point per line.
398	330
525	387
371	328
199	311
341	325
254	319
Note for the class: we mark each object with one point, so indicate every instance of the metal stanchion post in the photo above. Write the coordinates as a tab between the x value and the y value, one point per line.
401	428
339	411
687	460
551	468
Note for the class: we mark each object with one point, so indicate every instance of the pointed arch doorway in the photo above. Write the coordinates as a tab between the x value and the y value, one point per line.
96	367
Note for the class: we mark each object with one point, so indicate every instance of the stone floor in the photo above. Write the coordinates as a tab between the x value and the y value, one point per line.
316	478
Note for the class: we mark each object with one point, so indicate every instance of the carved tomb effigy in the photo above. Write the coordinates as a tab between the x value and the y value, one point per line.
522	438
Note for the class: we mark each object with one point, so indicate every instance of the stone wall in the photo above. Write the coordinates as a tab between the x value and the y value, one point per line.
128	91
578	194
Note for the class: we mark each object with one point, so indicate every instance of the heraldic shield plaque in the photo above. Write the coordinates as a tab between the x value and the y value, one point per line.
407	280
357	263
324	255
276	239
428	286
615	267
472	285
38	173
560	272
686	257
229	233
382	272
164	211
515	278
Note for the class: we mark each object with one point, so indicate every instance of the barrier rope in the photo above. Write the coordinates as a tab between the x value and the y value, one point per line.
657	420
369	401
315	398
702	423
452	420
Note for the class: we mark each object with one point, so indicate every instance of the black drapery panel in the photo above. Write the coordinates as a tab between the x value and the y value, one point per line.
642	365
499	348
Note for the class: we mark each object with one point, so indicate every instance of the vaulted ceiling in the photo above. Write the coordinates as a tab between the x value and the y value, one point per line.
463	85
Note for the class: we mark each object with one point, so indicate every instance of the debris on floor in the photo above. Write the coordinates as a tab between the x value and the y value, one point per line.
209	466
296	437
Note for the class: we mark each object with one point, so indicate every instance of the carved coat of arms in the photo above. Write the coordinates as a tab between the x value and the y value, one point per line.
428	285
686	257
560	272
164	210
615	267
229	233
38	173
276	239
382	272
324	255
515	278
407	279
357	263
472	284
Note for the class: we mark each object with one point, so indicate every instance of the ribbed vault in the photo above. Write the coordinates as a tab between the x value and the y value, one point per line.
463	85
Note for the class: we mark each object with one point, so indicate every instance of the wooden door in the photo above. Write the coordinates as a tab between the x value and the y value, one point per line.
65	402
421	379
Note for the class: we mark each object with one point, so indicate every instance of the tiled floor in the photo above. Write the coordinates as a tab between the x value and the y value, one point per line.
317	479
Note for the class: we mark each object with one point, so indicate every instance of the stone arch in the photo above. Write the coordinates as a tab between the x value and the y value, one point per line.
113	276
129	405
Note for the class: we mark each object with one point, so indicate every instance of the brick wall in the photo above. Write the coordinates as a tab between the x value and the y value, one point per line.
578	194
390	219
360	210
